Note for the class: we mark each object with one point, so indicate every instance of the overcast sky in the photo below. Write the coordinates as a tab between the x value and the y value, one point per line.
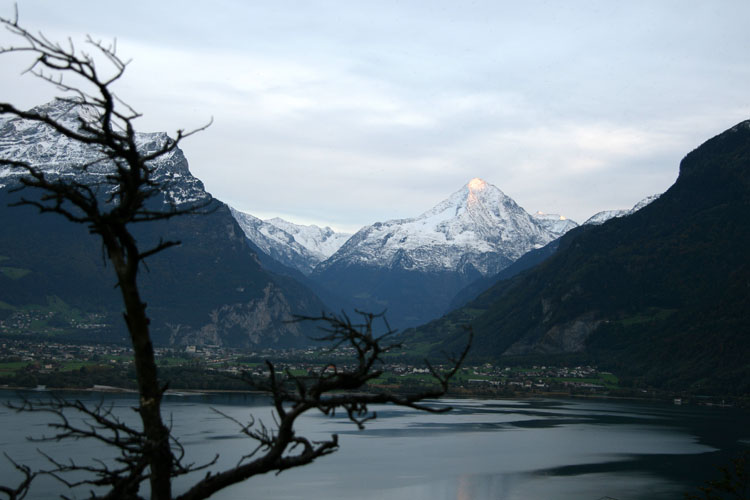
347	113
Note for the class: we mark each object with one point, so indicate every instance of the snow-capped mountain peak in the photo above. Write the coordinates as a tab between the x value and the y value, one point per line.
56	155
555	223
478	226
322	242
294	245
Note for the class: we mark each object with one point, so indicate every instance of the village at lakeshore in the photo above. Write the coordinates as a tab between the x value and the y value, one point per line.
49	365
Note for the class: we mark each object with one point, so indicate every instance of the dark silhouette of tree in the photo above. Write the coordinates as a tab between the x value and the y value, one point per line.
734	483
126	196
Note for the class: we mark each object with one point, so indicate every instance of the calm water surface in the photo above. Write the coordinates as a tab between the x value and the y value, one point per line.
500	450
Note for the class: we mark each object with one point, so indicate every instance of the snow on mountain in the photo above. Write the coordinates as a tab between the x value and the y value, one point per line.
276	242
209	290
56	155
294	245
644	202
555	223
604	216
322	242
477	226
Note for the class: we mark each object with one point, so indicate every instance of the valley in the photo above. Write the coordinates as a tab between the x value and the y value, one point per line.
30	364
620	291
369	250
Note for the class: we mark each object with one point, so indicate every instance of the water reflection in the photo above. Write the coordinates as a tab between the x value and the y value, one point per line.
563	449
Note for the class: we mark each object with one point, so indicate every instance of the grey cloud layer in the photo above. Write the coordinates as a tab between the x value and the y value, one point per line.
350	112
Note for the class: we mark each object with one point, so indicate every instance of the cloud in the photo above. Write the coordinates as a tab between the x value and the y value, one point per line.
350	113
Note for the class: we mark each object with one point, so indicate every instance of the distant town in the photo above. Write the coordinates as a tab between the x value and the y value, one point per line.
31	364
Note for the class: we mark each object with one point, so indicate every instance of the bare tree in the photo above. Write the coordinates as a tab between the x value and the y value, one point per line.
734	482
110	210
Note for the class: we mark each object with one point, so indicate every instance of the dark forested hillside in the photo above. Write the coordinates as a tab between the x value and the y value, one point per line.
662	296
211	289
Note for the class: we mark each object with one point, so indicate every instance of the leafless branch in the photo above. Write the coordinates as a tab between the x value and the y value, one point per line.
20	491
109	204
329	389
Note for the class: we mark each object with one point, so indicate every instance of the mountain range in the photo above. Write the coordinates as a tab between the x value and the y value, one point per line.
411	268
660	296
211	289
537	256
418	268
659	293
294	245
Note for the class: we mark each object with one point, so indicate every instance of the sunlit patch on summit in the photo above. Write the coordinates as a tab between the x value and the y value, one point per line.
477	184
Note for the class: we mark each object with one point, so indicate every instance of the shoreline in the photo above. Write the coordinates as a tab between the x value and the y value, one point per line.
107	389
665	398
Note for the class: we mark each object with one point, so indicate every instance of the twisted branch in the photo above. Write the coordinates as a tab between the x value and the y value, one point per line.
330	389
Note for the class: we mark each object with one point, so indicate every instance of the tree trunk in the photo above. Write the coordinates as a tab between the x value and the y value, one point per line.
158	452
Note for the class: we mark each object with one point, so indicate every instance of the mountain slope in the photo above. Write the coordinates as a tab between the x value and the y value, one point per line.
477	227
555	223
605	215
276	243
295	246
210	289
413	267
526	261
321	242
661	296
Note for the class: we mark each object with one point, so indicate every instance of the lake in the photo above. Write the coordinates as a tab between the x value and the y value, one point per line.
483	449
